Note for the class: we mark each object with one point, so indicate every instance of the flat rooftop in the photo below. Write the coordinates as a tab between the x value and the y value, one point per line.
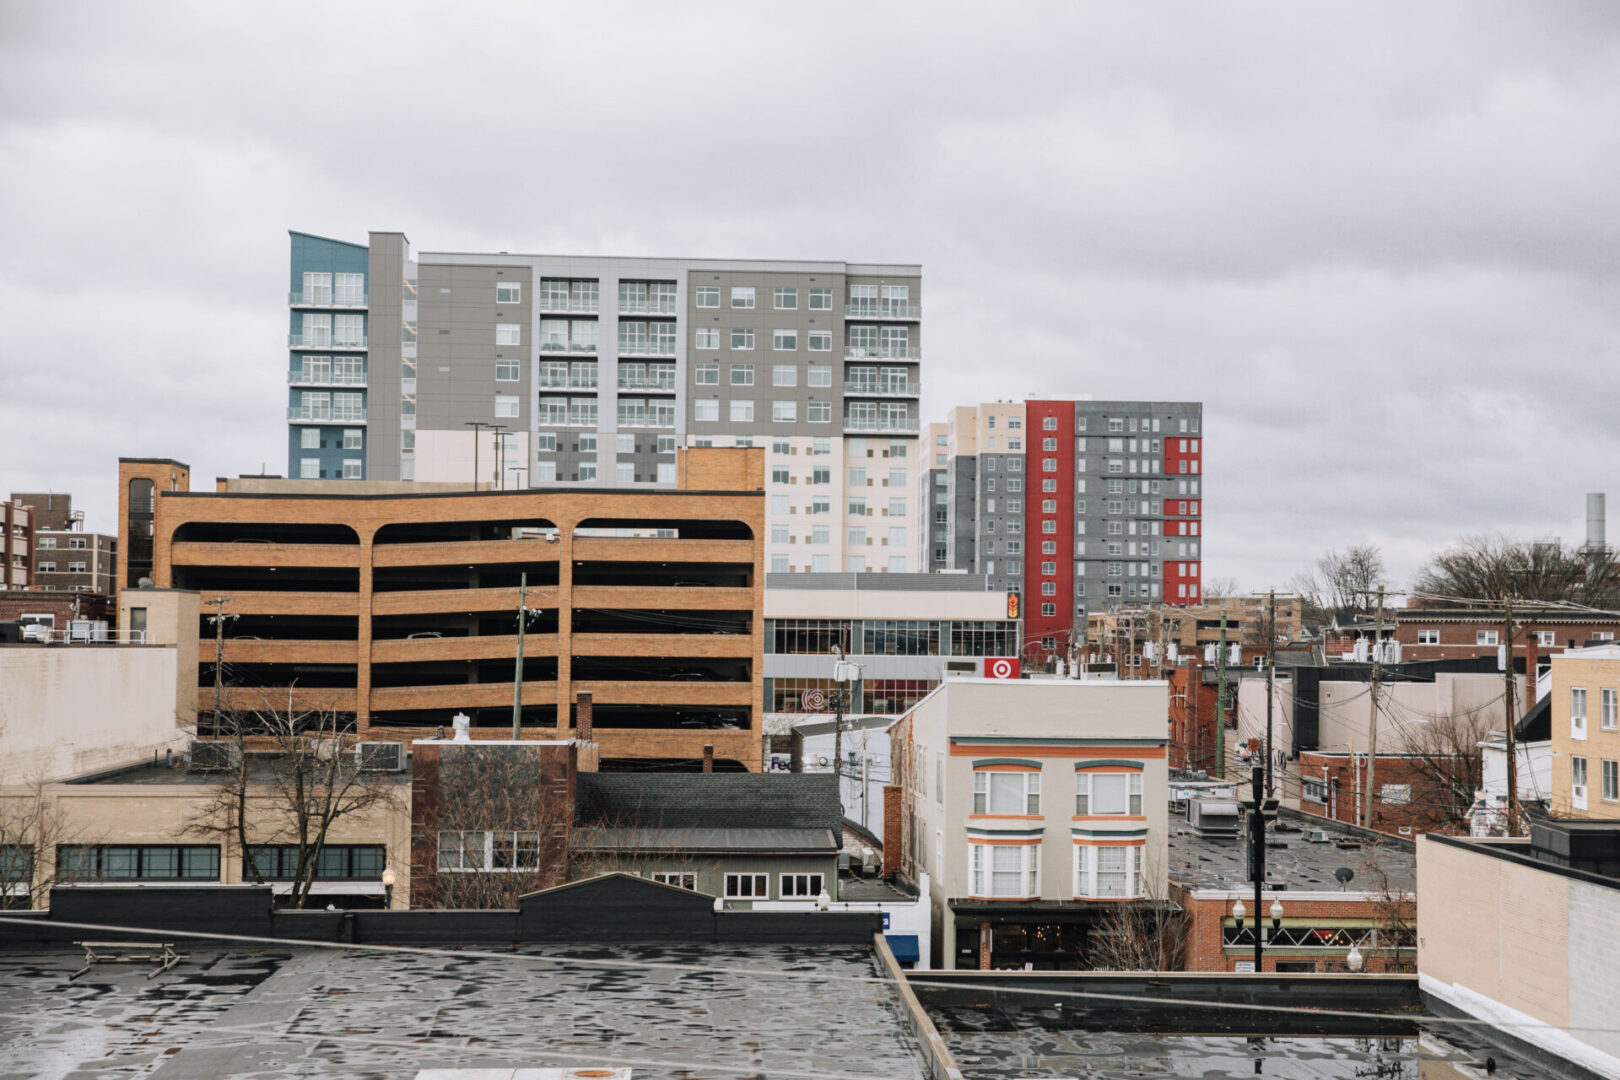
276	1013
158	774
1198	862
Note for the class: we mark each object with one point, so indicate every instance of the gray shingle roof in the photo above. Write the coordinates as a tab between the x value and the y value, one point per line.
709	801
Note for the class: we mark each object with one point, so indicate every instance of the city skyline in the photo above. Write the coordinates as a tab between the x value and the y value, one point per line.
1096	218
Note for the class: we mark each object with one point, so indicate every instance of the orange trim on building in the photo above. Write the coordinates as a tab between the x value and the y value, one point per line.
1020	841
1007	768
1146	753
1109	817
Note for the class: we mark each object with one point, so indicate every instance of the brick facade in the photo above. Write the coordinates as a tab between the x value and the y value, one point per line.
1345	784
1459	633
1206	915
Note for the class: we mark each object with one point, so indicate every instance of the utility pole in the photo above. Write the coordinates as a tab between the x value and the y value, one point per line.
219	617
1257	856
517	675
1220	704
1508	701
1271	697
1367	815
479	426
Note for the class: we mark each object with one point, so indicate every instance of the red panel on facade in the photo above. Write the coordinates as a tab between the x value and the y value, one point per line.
1038	415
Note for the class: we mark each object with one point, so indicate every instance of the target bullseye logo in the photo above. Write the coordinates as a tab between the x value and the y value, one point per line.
814	701
1001	667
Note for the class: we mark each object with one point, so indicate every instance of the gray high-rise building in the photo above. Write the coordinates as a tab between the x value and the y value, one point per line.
533	370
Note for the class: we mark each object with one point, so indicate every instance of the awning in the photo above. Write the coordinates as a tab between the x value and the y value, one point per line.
904	947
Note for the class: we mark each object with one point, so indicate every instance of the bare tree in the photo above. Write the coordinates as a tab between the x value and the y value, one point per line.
1492	567
1396	913
1148	934
1220	588
1339	580
31	831
291	775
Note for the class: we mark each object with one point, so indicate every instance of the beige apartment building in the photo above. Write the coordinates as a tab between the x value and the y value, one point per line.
1036	807
1585	706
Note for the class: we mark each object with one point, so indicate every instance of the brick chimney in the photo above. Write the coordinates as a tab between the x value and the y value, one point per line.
708	758
1531	659
584	718
891	830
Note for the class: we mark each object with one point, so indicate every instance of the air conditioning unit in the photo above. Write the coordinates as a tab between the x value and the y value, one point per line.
210	755
1316	836
380	756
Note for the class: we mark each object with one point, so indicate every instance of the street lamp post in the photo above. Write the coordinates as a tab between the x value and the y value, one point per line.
388	887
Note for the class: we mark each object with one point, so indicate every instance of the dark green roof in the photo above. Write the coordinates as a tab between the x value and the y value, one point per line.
709	800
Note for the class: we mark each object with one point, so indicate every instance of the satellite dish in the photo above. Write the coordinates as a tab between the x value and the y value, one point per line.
1344	874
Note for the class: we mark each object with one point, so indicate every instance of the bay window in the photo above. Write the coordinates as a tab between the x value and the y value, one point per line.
1108	871
1005	871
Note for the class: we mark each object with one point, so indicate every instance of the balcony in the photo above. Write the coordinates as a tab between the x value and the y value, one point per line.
883	352
551	305
325	299
311	378
647	382
647	419
882	309
568	382
568	347
862	425
315	414
324	342
883	387
661	306
647	348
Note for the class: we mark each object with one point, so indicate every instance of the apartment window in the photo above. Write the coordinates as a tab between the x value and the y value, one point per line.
508	292
351	469
742	411
483	850
787	299
148	862
897	507
819	375
1545	638
705	409
546	442
1611	710
1009	791
587	471
681	879
818	412
708	337
625	443
707	375
1577	781
897	536
742	296
785	412
1108	873
1485	637
1106	793
1611	780
506	371
821	341
1428	637
1048	609
1313	789
742	338
785	340
808	886
820	299
509	333
506	405
625	472
308	439
707	296
742	374
1004	871
1577	712
784	375
309	468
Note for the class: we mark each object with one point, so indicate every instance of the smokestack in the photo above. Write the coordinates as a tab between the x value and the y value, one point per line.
708	759
1595	521
584	720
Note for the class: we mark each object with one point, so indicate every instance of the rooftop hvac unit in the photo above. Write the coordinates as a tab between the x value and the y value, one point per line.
380	756
211	755
1316	836
1213	819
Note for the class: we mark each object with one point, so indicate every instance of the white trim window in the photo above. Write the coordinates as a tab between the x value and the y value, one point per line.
502	852
1004	871
708	337
1577	712
1610	716
1102	793
506	405
742	296
820	299
742	338
1485	637
1108	871
1428	637
1007	792
508	292
1577	782
509	333
787	300
801	886
683	879
1313	789
785	340
748	886
707	296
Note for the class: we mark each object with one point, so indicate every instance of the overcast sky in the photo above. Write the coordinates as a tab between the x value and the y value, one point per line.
1378	241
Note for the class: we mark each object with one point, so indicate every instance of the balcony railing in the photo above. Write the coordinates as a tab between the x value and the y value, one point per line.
579	307
910	388
647	307
908	423
335	416
882	352
324	341
646	348
308	378
881	309
568	382
646	382
568	346
664	419
324	299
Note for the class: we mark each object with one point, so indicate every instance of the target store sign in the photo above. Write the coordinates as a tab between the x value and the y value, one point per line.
1001	667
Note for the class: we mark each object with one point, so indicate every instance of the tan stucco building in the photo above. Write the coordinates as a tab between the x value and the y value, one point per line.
1585	703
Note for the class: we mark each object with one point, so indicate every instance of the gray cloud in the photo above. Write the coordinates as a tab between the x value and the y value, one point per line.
1377	240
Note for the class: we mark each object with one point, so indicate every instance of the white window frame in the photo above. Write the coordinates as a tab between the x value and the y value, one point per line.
1087	866
1609	769
784	375
733	883
706	296
1577	781
1485	637
1085	789
708	337
1577	712
681	879
507	369
820	300
785	412
742	338
483	844
742	297
1428	637
1027	797
510	403
742	411
784	341
509	292
353	468
509	333
982	872
791	295
1609	718
800	886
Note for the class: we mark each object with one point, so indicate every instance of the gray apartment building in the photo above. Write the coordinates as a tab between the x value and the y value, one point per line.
66	557
519	371
1074	504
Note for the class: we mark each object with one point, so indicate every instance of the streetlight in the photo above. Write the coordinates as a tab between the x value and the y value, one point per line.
1355	960
1238	913
388	880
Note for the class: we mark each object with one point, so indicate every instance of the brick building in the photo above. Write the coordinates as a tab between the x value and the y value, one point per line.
397	604
16	545
1375	911
1335	786
1194	707
1452	633
66	557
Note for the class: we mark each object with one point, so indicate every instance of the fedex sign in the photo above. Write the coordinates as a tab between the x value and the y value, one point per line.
1001	667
